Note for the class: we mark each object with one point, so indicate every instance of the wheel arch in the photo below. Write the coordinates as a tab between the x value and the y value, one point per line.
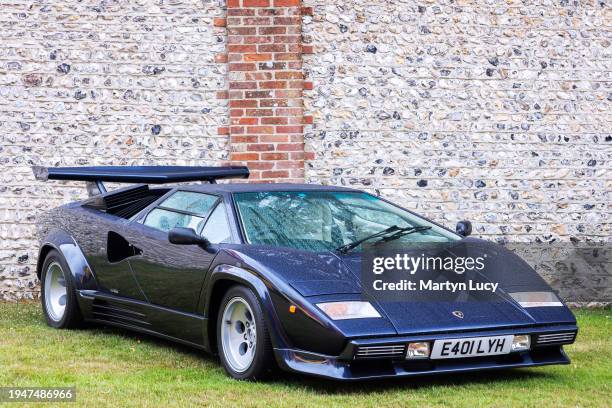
222	279
62	242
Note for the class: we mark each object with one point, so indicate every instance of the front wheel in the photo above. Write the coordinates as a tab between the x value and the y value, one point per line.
244	344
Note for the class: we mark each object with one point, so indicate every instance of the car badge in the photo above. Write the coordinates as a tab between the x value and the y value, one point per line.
458	313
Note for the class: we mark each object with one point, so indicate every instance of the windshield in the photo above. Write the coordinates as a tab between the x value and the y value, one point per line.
325	220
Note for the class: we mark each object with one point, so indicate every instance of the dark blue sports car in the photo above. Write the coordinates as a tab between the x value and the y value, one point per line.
270	275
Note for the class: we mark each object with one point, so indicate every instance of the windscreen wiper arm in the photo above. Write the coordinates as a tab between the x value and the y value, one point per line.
406	231
351	245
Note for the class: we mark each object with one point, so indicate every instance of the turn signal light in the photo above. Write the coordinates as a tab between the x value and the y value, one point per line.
417	350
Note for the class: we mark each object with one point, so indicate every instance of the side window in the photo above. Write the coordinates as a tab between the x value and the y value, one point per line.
182	209
197	203
217	229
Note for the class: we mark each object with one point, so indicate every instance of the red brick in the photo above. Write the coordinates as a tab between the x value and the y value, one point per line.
287	3
285	39
298	174
288	111
287	21
242	48
289	165
246	121
258	94
245	156
273	84
274	121
222	95
243	103
233	3
274	103
289	129
288	75
257	39
219	22
296	84
259	112
237	30
271	174
274	156
244	139
258	76
260	129
223	130
240	12
236	113
260	165
243	85
241	67
272	30
287	56
308	120
272	48
271	138
271	12
290	147
287	93
309	155
272	66
307	49
257	57
308	86
307	11
251	21
255	3
260	147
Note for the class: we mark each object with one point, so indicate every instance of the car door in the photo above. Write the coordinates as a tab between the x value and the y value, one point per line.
172	275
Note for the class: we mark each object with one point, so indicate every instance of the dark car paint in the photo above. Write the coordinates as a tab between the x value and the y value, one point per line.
167	289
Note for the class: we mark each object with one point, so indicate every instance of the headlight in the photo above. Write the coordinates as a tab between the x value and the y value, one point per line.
521	343
536	299
348	310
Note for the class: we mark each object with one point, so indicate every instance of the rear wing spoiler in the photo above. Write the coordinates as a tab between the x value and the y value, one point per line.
139	174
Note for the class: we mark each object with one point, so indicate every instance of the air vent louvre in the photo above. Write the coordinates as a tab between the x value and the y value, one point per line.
555	338
387	351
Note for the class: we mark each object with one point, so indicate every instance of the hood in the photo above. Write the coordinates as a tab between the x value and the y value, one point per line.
326	276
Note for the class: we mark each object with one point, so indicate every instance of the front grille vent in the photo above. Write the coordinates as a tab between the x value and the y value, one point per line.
390	351
555	338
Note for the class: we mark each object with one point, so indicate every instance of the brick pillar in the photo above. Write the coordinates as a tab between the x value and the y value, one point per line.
264	57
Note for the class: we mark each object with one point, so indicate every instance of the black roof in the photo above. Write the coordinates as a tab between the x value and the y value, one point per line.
256	187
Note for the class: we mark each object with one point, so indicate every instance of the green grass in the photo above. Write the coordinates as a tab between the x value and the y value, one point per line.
113	368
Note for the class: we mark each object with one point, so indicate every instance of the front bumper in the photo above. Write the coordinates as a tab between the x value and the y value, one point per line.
350	366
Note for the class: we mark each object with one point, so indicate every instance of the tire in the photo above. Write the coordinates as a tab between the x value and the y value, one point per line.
61	310
234	337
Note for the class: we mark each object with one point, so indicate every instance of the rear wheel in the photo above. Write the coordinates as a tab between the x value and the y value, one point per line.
242	336
58	297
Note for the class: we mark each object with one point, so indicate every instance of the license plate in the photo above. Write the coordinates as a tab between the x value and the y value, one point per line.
471	347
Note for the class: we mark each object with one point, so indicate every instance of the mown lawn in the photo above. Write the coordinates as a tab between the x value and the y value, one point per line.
117	369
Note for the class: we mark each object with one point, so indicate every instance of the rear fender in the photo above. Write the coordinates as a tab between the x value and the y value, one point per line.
82	274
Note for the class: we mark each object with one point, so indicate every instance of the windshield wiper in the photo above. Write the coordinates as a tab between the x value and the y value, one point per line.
351	245
405	231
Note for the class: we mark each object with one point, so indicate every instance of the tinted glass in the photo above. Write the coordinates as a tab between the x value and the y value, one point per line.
318	220
217	229
197	203
166	220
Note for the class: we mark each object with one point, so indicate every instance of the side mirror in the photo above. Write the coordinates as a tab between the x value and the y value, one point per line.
186	236
464	228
